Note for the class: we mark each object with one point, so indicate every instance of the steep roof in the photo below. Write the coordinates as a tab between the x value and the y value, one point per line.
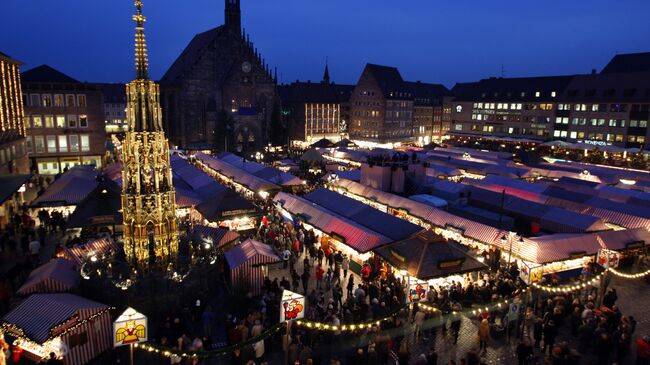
191	54
630	62
614	87
388	78
427	94
45	73
113	92
515	89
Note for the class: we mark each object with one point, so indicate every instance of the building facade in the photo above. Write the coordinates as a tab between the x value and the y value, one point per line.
64	119
429	102
508	107
220	93
148	196
114	108
381	108
313	111
13	148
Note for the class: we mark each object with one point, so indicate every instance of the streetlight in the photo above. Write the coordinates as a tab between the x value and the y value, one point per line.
508	239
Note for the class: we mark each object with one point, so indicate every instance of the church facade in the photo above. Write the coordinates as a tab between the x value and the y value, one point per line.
220	93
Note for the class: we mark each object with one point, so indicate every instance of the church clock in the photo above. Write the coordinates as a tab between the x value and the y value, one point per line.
246	67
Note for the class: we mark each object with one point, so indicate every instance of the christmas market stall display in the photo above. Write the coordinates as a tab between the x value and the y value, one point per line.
57	275
68	190
192	186
335	231
75	329
97	248
271	174
248	264
428	259
100	210
240	180
219	238
9	200
229	210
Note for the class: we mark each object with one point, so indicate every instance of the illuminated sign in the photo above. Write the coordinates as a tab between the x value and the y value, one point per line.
292	306
130	328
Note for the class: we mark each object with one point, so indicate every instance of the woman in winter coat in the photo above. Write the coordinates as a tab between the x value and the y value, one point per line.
483	334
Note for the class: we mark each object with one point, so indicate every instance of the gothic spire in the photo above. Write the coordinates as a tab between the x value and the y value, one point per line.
326	75
141	59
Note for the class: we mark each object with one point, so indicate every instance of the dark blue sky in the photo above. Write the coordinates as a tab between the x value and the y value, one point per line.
443	41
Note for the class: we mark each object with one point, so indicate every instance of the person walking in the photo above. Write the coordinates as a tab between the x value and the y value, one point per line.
345	265
550	332
483	335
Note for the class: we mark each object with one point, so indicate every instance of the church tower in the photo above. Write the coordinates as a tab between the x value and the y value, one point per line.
148	197
233	15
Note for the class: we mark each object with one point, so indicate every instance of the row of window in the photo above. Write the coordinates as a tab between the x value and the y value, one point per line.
609	137
9	153
55	100
58	144
522	94
57	121
620	123
513	106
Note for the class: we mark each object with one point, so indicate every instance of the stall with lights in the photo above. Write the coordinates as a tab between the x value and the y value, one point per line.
248	264
75	329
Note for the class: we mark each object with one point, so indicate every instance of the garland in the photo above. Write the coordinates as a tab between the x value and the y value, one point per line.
629	276
350	327
155	348
568	288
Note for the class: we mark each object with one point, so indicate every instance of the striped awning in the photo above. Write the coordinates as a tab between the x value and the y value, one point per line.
69	189
58	275
37	315
250	250
99	247
220	236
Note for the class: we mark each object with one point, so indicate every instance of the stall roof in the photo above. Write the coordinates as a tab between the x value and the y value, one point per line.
243	177
64	273
226	205
9	184
70	188
220	236
102	207
268	173
39	313
428	256
190	178
99	246
352	175
358	237
311	155
386	224
248	249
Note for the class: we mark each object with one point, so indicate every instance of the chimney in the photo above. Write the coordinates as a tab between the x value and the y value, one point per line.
593	71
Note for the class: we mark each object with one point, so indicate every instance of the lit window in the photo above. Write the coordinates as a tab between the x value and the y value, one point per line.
85	142
37	121
573	135
74	143
51	144
81	100
643	123
60	121
458	127
72	121
49	121
553	94
47	100
39	144
563	133
556	133
58	100
63	143
83	121
537	94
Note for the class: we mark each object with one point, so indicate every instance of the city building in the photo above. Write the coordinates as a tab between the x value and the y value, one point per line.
508	107
148	196
13	149
429	103
64	119
114	107
381	108
313	111
605	109
220	93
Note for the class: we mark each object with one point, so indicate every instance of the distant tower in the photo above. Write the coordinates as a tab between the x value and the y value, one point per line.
148	197
326	75
233	15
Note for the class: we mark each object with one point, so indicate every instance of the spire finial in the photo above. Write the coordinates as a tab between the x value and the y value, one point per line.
141	58
326	75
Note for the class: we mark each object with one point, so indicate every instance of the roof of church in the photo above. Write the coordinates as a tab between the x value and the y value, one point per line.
45	73
191	54
631	62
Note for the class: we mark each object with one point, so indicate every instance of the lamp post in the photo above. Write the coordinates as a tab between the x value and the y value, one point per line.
508	239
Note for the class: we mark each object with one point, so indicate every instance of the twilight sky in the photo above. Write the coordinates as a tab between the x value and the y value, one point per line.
440	41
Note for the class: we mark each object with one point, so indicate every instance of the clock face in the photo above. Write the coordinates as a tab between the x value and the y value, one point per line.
246	67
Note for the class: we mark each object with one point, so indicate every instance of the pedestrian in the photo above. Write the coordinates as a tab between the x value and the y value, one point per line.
550	332
483	335
350	286
319	276
345	265
524	351
305	280
643	351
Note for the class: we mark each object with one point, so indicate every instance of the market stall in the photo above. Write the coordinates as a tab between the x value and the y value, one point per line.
247	264
57	275
229	210
68	190
100	247
75	329
100	210
220	238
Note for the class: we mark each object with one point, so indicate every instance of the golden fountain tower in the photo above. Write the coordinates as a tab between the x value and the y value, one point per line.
148	197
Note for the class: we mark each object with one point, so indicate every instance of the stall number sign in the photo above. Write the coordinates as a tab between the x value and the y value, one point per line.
292	306
417	293
130	328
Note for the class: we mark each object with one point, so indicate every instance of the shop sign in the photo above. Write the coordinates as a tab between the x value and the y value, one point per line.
292	306
130	328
